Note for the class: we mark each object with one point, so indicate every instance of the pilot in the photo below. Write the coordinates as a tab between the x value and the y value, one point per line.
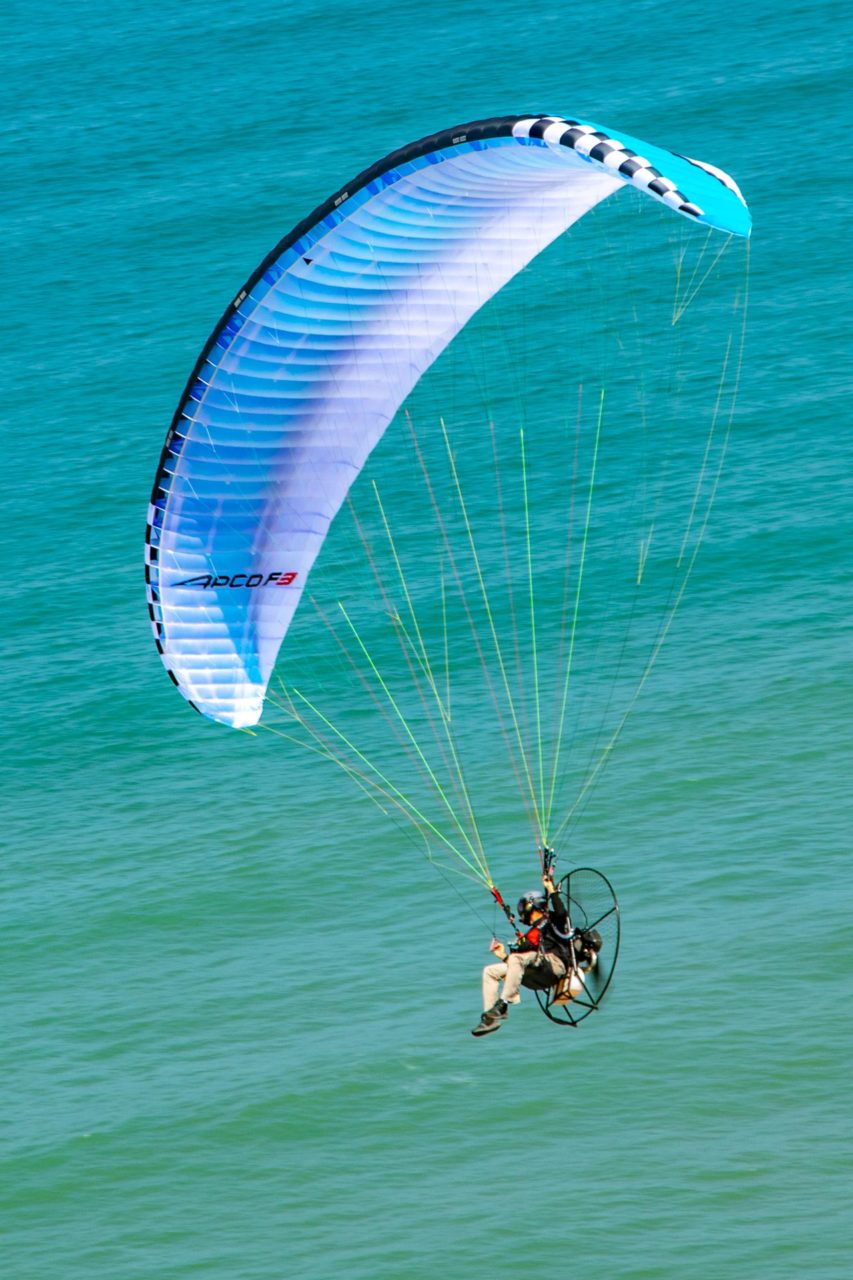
538	960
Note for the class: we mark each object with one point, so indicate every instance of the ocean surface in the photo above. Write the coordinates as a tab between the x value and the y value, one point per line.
236	996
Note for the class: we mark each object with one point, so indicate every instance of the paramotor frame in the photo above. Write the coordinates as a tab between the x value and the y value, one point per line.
592	905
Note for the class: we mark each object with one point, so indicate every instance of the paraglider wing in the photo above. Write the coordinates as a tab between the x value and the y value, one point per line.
314	356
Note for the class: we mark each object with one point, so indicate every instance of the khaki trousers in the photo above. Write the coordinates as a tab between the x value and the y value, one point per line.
512	971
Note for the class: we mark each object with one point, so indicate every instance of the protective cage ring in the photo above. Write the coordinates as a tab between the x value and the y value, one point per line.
591	903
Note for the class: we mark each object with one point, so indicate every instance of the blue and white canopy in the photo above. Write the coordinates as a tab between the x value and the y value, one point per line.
310	362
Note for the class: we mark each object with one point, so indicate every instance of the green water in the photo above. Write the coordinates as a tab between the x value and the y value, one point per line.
236	999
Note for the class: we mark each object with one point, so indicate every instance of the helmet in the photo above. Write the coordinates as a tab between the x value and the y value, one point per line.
534	900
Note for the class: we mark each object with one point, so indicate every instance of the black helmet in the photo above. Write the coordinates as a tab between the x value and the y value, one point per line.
534	900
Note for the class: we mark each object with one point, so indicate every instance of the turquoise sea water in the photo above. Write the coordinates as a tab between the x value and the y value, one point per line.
235	1000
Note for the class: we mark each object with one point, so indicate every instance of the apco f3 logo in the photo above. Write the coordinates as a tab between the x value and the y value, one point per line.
209	580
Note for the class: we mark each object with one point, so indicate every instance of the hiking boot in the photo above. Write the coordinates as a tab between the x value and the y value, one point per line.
486	1024
491	1020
